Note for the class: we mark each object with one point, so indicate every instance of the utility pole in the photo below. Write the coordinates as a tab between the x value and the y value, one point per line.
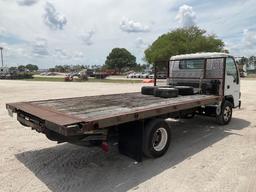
1	48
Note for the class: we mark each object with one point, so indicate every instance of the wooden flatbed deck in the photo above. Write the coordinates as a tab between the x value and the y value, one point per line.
95	112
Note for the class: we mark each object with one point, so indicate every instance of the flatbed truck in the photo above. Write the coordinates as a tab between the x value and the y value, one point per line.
136	121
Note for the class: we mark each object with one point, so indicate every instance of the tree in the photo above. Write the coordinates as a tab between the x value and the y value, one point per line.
182	41
120	58
59	68
243	61
51	69
252	59
21	68
31	67
67	69
77	68
13	70
140	67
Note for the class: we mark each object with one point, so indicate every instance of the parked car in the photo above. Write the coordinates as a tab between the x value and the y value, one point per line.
145	75
44	73
137	75
243	74
159	76
151	76
131	75
50	74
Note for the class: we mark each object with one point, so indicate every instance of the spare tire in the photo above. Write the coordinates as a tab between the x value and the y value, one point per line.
185	90
166	92
147	90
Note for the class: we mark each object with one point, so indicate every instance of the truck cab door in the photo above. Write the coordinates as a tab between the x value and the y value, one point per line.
232	81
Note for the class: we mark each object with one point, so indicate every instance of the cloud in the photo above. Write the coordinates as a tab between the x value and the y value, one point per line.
140	43
249	38
87	37
60	52
26	2
28	22
79	55
186	16
10	38
243	46
40	47
12	51
53	19
131	26
3	32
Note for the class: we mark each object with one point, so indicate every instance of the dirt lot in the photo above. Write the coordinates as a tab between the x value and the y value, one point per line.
203	156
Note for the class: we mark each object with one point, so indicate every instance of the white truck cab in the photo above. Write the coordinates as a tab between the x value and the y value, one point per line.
232	80
211	74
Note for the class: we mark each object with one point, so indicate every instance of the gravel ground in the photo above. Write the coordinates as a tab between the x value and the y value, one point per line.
203	156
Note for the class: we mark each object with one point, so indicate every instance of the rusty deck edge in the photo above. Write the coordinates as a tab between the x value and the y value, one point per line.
107	120
43	113
110	120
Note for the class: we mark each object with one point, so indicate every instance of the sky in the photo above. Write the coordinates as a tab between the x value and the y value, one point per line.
65	32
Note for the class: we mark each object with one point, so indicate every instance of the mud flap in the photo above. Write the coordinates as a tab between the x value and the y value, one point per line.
130	140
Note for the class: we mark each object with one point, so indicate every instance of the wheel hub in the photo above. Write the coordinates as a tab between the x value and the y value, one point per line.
160	138
227	113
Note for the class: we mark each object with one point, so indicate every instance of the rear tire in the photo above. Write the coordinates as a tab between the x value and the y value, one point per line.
226	113
156	138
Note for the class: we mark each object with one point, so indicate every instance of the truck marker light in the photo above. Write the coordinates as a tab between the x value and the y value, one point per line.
105	147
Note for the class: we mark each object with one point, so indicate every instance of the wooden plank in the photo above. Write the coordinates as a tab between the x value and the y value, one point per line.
95	104
109	110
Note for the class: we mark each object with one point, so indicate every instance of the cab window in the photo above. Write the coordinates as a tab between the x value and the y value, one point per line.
192	64
231	69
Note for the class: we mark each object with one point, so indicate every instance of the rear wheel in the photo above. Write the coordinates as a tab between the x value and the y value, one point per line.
156	138
226	113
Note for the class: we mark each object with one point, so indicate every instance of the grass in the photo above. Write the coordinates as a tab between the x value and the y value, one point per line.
58	79
45	79
252	75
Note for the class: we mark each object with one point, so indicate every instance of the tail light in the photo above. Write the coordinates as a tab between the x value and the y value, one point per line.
105	146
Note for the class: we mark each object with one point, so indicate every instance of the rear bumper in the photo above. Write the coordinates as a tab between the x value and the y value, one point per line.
41	120
64	133
40	125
